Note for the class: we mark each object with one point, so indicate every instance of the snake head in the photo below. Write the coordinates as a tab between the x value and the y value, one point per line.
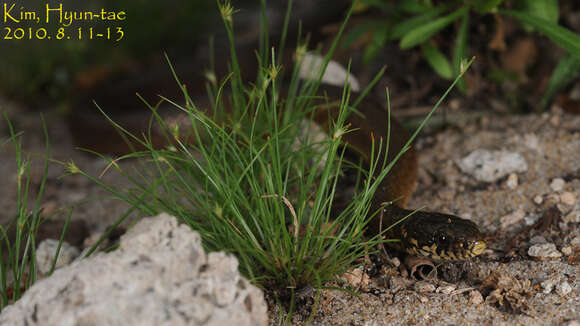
441	236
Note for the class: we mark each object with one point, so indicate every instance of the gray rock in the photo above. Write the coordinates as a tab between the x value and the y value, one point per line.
489	166
47	250
160	275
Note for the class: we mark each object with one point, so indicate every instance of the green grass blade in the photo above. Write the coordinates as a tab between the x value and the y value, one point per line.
566	70
437	60
565	38
460	49
424	32
415	22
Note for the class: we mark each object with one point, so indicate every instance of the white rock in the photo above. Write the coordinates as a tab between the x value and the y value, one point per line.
446	289
489	166
572	323
567	251
548	286
424	287
335	73
160	275
512	181
475	297
531	218
544	250
557	184
568	198
538	199
532	141
564	288
573	216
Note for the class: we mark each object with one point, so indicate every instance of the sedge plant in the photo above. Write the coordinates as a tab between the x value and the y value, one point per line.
18	239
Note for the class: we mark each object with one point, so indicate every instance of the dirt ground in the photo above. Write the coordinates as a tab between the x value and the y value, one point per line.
505	286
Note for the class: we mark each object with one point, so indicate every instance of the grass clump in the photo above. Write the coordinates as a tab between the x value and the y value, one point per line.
18	240
247	177
243	175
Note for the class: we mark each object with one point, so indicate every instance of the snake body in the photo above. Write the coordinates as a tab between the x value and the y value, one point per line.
435	235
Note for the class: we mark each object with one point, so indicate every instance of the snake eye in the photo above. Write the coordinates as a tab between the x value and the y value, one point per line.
443	240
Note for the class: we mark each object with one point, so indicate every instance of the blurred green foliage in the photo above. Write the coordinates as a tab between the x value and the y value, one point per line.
415	22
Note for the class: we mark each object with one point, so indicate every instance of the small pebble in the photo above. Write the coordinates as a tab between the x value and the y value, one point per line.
423	299
512	218
544	250
424	287
356	278
47	250
566	250
397	283
564	209
532	141
512	181
575	242
475	297
396	262
548	286
490	166
564	288
555	120
572	217
538	199
572	323
531	219
568	198
557	184
446	289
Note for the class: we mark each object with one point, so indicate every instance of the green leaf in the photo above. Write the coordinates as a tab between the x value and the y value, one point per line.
437	60
413	6
565	71
560	35
412	23
460	50
376	3
357	32
546	9
485	6
371	51
422	33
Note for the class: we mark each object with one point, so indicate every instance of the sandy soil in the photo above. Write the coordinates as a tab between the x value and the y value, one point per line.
499	288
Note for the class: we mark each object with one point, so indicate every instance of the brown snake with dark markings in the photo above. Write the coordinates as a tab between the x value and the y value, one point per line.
435	235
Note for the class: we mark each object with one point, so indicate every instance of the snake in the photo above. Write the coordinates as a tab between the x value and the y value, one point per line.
438	236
